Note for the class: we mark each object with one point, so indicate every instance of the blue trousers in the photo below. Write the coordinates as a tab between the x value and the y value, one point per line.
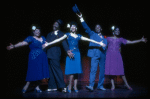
94	65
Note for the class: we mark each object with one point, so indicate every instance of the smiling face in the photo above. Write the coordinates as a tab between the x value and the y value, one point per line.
73	28
55	26
37	32
98	29
117	32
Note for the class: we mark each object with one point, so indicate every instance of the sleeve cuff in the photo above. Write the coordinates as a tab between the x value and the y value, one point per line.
82	20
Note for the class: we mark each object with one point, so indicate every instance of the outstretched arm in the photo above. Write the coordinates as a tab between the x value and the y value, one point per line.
85	26
69	52
137	41
20	44
53	42
93	41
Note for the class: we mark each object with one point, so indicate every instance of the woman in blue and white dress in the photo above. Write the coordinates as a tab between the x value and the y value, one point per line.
73	64
37	62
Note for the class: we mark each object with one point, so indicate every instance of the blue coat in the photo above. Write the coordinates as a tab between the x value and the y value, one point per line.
95	50
54	51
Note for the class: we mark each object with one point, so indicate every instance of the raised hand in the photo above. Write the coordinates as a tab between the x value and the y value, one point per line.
80	16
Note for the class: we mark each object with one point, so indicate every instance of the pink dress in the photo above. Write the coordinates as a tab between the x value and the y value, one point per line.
114	62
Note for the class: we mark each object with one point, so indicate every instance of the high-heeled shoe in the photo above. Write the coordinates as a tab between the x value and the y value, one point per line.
112	89
38	91
128	87
24	91
69	91
75	90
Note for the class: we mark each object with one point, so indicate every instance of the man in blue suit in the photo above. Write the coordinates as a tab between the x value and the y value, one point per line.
97	55
56	80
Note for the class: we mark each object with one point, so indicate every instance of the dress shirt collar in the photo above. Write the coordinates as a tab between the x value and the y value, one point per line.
56	32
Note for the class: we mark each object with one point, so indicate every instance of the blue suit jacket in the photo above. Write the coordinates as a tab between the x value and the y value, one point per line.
54	51
95	50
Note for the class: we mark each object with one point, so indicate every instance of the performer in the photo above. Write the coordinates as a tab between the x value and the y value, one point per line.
114	63
96	54
73	66
38	63
56	80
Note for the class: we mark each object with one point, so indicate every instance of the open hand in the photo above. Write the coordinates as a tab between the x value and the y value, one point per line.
80	16
102	44
70	54
44	45
144	39
10	47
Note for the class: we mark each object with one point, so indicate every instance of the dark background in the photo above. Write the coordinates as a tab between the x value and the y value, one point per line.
131	17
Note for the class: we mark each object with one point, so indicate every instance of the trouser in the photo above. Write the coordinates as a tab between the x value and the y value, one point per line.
56	75
94	64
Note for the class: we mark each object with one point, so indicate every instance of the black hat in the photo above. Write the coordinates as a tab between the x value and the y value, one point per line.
75	9
60	21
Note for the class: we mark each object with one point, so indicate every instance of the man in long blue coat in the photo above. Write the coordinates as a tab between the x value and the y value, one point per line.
56	80
97	55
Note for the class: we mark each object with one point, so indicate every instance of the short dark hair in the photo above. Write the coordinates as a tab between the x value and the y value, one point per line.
73	23
32	34
115	28
98	24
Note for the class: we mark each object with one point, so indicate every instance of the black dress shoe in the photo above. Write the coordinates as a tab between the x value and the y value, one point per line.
51	90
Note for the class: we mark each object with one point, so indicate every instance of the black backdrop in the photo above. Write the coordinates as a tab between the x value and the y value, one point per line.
130	17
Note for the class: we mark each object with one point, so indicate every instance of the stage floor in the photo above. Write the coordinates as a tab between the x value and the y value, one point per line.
120	92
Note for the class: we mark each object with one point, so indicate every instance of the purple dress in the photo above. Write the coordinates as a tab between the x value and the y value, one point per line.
114	63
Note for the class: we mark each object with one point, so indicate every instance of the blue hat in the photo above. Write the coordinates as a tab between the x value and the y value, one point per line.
75	9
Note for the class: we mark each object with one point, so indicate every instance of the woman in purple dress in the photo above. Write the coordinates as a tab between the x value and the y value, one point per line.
114	63
38	62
